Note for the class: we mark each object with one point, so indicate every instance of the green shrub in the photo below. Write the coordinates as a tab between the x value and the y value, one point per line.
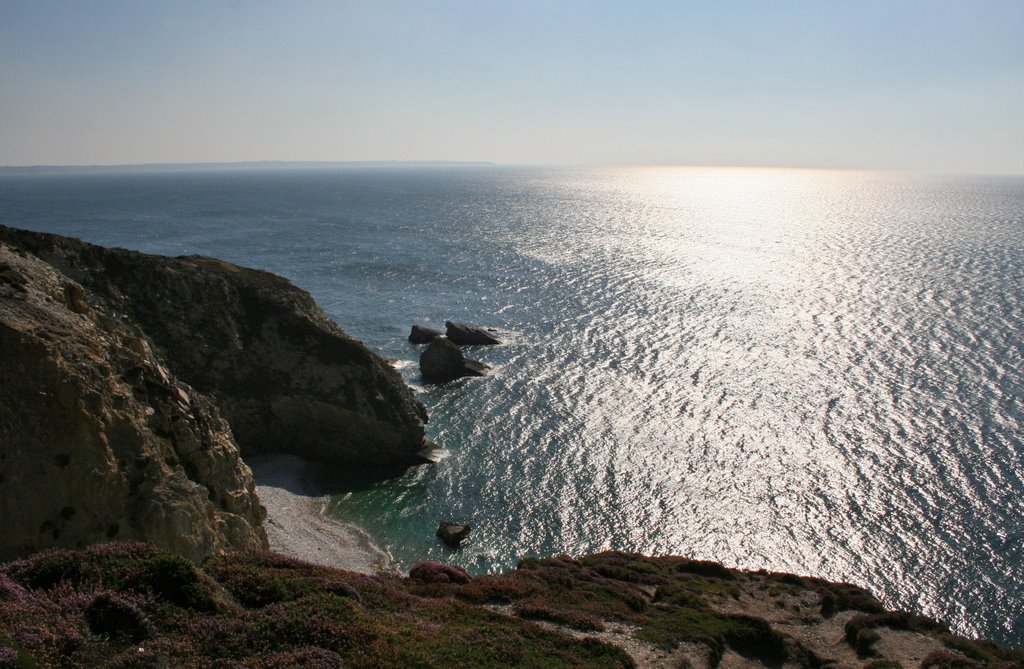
749	636
898	620
945	660
574	619
625	567
47	568
675	595
705	568
790	579
865	640
325	621
710	586
112	616
844	596
504	589
306	657
984	651
255	588
170	577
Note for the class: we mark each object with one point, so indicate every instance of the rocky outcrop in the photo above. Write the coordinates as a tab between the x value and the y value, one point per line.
442	361
285	376
422	335
453	534
465	335
99	439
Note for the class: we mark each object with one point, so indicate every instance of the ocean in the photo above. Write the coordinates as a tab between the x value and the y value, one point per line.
818	372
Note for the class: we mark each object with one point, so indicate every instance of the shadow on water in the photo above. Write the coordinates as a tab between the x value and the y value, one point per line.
331	478
318	478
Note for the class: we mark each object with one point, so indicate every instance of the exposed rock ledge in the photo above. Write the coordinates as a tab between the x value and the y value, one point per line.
117	369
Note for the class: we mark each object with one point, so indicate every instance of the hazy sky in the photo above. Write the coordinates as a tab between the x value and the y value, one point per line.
931	85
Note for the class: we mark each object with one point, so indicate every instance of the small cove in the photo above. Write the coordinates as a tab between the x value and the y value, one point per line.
816	372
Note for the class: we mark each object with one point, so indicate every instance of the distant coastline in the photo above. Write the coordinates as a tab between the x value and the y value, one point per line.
18	170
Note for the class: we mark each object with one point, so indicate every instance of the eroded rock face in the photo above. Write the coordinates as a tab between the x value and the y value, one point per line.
285	376
99	439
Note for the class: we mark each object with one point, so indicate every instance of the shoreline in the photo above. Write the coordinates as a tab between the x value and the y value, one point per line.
297	527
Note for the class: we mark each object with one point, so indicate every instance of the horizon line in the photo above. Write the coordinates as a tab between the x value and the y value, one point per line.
266	164
234	163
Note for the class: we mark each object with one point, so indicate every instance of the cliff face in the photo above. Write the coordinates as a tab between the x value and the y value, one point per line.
117	368
98	439
285	377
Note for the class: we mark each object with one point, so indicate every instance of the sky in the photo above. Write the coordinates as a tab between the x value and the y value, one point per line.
917	85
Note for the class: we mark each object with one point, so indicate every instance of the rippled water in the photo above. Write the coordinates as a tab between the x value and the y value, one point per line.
809	371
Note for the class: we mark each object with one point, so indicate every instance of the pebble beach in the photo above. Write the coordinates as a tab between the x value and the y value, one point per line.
296	525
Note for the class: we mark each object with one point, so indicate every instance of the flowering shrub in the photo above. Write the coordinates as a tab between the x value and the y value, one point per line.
164	575
130	606
435	572
10	591
116	617
8	658
576	620
307	657
47	568
133	607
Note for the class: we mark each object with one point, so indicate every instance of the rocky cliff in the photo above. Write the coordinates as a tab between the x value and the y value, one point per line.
131	383
285	376
98	439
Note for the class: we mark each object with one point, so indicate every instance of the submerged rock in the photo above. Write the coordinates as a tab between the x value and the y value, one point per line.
464	335
443	361
286	377
422	335
453	534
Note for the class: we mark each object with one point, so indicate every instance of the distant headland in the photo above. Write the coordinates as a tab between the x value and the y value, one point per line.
266	165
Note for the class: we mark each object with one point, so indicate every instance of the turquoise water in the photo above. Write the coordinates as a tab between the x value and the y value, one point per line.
808	371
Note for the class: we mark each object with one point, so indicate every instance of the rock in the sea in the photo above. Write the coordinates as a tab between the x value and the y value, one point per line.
453	534
99	440
422	335
443	361
286	378
432	452
464	335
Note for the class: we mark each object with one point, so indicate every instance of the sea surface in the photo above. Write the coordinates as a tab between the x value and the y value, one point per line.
817	372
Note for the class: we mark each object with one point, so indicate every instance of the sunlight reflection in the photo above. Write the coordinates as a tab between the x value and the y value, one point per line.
731	224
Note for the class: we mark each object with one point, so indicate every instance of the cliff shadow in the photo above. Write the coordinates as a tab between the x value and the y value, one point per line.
315	478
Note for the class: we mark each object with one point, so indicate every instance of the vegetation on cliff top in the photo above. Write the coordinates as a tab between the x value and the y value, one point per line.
132	605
